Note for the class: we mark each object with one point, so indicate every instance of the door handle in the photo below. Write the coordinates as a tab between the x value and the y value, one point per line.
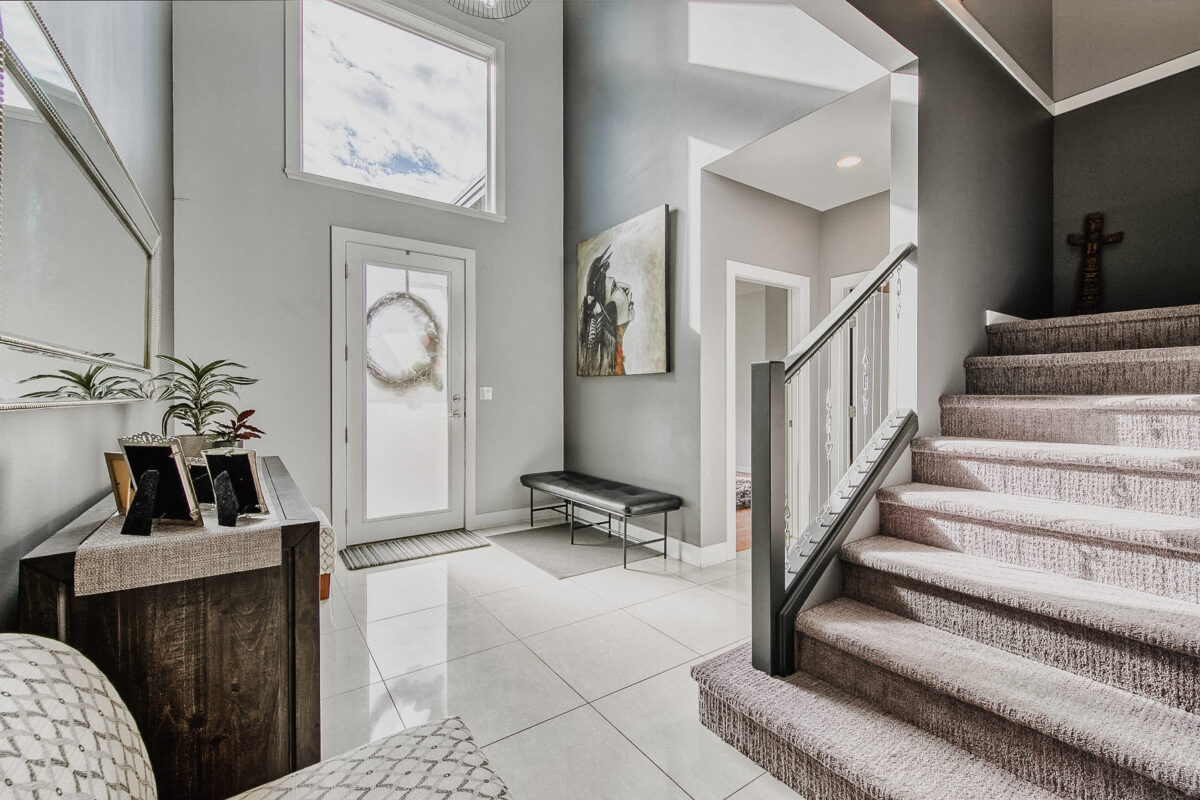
456	414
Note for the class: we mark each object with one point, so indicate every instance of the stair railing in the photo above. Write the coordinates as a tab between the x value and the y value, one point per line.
824	432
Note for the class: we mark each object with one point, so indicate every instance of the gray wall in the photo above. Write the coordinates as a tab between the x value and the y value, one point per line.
760	334
632	102
854	238
51	463
253	277
1135	158
985	187
750	345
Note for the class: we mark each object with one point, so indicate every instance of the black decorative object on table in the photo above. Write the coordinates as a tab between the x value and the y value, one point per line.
140	517
242	468
176	498
227	500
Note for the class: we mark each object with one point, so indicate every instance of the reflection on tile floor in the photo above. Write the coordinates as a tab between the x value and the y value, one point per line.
577	688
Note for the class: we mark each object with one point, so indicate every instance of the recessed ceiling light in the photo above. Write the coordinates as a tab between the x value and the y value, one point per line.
849	161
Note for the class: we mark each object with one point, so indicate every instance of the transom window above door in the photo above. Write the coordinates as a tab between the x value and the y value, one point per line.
384	101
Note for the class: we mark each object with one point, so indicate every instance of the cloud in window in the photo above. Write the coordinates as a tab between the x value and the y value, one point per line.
391	109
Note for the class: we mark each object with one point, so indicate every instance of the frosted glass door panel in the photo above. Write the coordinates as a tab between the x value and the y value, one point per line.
407	427
405	385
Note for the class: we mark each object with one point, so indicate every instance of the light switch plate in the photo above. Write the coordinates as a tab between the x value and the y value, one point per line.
485	393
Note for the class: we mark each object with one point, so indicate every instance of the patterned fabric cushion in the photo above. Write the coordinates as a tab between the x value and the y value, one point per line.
435	761
328	543
64	732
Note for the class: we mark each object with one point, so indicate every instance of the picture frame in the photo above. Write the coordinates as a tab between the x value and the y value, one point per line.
121	480
622	312
175	500
242	466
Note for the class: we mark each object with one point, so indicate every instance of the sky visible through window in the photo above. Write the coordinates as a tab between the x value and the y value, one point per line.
388	108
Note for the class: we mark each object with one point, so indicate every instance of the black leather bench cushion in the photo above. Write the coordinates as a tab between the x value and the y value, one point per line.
605	495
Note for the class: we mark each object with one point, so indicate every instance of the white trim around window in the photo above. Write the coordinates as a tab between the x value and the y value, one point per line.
423	23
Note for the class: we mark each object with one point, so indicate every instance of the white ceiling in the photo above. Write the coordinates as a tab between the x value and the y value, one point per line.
798	161
774	39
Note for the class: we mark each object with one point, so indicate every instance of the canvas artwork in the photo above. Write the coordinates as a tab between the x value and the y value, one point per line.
622	298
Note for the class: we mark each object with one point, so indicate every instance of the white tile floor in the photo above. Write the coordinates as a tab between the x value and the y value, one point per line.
576	688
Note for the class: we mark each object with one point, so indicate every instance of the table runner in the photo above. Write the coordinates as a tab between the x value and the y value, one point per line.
107	561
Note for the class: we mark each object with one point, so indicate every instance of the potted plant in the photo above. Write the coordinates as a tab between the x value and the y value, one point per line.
195	392
237	430
89	385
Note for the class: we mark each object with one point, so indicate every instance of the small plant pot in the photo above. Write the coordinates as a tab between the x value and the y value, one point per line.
227	443
193	444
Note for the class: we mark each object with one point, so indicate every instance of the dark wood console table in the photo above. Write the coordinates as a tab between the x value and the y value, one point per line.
222	674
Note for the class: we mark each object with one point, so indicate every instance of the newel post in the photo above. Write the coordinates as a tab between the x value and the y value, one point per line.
768	483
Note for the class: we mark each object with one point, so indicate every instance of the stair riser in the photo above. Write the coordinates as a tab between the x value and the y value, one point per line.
1160	492
1163	573
1028	754
1072	425
1130	377
1102	335
1161	675
781	759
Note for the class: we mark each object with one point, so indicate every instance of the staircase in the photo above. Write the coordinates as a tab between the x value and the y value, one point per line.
1027	623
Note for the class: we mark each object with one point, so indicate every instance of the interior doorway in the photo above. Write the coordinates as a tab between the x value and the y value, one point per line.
400	366
766	317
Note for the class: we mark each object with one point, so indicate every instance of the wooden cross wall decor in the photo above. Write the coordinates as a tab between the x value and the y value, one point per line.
1092	239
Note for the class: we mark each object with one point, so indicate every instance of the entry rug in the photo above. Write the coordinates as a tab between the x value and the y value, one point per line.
393	551
108	561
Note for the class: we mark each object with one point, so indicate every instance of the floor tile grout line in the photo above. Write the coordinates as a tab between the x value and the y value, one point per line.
644	754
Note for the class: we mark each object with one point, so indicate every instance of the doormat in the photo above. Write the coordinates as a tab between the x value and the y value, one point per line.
393	551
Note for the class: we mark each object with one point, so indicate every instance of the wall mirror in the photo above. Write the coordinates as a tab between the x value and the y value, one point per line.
79	248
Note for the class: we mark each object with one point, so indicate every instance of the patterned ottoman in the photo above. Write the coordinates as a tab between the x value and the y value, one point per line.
328	551
438	761
64	732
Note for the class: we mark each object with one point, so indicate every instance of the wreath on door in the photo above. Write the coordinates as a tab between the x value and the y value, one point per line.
427	329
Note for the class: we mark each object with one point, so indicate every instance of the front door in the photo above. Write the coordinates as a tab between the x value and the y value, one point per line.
405	437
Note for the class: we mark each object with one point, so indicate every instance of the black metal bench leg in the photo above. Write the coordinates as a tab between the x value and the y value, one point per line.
666	522
571	516
625	542
531	507
608	528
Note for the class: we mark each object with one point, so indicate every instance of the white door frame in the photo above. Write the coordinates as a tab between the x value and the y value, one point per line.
798	326
339	239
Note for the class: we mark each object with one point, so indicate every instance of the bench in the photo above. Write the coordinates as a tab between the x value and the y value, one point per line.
611	498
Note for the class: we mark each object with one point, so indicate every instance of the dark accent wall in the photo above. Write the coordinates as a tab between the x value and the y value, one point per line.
985	193
632	100
52	461
1135	157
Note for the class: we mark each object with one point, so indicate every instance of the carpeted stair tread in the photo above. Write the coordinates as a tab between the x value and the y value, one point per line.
884	757
1160	742
1094	456
1137	420
1096	524
1142	328
1159	621
1160	370
1089	358
1131	403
